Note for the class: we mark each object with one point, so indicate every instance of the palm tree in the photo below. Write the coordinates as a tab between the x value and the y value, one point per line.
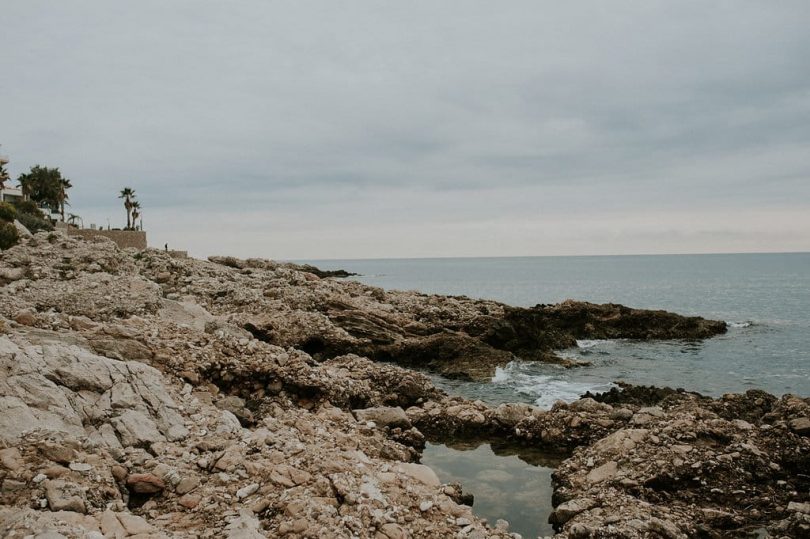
136	212
62	196
72	218
4	177
26	182
128	194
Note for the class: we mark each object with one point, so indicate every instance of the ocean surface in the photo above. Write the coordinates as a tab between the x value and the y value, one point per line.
765	298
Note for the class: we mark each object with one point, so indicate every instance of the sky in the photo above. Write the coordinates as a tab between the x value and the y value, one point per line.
367	129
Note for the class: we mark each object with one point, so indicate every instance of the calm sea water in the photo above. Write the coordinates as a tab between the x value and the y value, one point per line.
765	298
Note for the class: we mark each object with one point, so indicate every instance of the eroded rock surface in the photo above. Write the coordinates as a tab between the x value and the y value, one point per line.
148	396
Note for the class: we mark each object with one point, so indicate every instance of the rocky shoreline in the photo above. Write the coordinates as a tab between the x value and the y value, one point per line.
143	395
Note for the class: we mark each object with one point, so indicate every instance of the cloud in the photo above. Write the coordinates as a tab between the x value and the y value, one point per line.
332	124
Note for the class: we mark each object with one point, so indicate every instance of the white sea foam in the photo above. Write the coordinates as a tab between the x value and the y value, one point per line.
546	389
501	375
738	324
590	343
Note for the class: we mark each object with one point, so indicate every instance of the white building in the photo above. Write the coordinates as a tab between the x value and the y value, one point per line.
10	194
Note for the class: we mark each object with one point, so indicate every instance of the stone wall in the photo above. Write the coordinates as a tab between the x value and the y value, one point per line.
123	238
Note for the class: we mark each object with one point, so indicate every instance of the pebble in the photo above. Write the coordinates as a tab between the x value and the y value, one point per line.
244	492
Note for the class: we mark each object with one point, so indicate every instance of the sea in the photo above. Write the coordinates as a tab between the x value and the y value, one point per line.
764	298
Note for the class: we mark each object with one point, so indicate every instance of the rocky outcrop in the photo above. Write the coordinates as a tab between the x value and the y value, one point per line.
455	336
146	395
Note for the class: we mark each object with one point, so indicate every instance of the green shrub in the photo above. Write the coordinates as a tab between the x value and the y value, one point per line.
33	223
8	235
27	206
7	212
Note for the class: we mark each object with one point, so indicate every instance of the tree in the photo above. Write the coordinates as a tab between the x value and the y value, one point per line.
4	177
128	194
64	185
72	218
136	212
46	187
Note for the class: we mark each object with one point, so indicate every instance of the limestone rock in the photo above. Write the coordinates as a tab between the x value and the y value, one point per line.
144	483
384	416
65	496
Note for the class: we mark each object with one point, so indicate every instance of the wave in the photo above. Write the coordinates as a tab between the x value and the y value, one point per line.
738	324
546	389
590	343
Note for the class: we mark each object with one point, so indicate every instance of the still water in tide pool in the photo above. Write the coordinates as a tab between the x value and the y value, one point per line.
507	483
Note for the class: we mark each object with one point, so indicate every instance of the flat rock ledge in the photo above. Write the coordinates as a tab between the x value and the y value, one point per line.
148	396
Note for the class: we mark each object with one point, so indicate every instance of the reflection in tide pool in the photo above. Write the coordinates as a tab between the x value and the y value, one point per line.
509	483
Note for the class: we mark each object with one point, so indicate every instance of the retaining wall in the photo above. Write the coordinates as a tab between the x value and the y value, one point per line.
123	238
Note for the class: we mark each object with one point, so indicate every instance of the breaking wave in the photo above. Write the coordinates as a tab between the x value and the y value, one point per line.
544	388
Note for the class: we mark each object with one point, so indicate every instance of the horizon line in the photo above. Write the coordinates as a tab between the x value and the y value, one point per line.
472	257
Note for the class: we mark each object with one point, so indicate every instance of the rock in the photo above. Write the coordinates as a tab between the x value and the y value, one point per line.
64	496
136	429
228	423
80	467
603	472
235	406
26	317
510	414
288	476
22	230
190	501
134	524
566	511
420	472
289	358
621	414
800	426
145	483
111	526
245	526
384	416
186	485
12	274
246	491
797	507
11	459
391	531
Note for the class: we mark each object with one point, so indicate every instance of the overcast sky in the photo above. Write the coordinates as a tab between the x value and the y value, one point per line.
363	129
